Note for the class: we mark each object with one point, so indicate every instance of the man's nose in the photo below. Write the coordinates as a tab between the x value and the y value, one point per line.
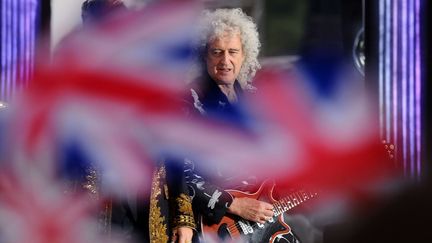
225	58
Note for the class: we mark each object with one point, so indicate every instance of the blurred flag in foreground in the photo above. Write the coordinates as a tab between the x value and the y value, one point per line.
112	98
36	210
336	140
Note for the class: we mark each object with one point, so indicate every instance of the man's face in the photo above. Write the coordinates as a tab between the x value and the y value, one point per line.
224	58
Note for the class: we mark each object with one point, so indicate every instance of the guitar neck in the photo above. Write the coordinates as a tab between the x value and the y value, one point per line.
289	202
234	226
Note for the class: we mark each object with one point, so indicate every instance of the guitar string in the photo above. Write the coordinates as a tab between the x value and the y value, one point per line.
236	225
279	210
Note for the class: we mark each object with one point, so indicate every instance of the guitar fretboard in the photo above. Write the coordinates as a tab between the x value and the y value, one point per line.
291	201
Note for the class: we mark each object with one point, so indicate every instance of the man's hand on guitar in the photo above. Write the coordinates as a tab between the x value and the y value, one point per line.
251	209
182	235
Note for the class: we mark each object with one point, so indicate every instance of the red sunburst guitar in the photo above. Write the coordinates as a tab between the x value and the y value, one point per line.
232	227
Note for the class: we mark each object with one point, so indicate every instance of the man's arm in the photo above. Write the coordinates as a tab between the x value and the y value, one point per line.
251	209
209	200
212	202
179	200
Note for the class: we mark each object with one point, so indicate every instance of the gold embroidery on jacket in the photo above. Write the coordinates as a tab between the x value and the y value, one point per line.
157	226
185	204
91	183
184	221
186	217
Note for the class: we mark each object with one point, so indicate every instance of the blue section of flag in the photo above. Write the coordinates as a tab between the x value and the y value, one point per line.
73	162
322	69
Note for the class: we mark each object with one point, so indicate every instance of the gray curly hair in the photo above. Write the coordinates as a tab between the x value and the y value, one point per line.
234	21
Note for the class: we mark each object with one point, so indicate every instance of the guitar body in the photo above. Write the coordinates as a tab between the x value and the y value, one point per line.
235	228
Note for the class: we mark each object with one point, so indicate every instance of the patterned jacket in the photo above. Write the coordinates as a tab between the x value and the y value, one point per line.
210	201
150	219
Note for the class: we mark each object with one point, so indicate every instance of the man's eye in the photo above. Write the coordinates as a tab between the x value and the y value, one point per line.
217	52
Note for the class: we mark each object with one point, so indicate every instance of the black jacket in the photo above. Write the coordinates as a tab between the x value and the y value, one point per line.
210	201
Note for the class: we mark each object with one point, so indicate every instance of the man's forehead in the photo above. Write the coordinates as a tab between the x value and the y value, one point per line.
226	41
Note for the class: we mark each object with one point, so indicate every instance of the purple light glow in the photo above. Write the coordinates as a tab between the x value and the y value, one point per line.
400	72
381	68
14	45
22	42
411	60
418	86
18	26
387	70
394	76
7	46
32	17
3	55
404	84
26	21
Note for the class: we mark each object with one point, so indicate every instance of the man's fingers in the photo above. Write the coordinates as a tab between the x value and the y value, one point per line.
174	237
266	205
267	209
184	239
266	217
269	206
252	209
184	235
268	213
261	221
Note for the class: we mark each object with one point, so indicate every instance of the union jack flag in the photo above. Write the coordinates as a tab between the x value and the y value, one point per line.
113	98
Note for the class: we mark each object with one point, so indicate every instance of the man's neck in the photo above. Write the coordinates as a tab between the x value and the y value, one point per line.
229	91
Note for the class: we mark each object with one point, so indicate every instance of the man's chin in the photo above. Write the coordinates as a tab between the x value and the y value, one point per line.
225	80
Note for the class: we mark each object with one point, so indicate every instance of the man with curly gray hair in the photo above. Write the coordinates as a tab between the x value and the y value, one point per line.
228	51
230	25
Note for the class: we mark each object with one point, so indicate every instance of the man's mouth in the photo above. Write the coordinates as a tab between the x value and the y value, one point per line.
224	70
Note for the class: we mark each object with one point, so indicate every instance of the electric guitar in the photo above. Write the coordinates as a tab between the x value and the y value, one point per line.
233	227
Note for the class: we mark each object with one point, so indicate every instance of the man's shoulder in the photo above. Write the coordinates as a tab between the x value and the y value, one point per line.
192	98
